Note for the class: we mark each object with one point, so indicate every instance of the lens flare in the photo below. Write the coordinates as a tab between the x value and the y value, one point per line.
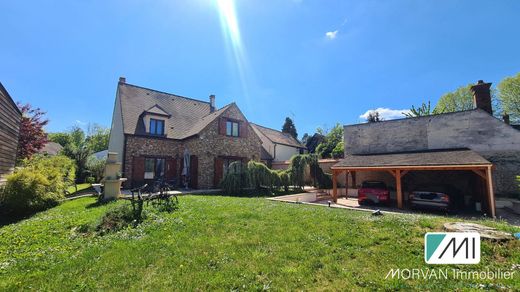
231	32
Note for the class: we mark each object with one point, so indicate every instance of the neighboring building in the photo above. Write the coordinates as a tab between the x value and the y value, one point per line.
437	148
10	119
276	145
101	155
51	148
151	131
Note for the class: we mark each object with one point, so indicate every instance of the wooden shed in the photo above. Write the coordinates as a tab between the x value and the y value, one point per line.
10	119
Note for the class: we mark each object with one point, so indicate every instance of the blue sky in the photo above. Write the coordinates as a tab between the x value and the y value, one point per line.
319	62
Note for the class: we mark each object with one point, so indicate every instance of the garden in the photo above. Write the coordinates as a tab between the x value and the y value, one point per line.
229	243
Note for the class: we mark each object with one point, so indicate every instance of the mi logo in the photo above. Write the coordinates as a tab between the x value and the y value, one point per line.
452	248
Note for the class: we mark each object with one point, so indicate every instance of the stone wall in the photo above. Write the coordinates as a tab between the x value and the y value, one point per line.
208	145
475	129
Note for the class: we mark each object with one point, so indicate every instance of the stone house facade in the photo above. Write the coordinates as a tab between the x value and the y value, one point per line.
154	130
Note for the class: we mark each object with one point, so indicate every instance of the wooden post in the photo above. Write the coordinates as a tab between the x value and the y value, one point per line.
334	186
346	183
490	192
399	190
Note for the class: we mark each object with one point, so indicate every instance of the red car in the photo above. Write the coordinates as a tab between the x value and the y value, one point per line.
373	192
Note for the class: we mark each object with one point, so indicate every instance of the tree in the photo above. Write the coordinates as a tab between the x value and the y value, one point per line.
373	117
331	141
61	138
78	149
509	94
97	138
313	142
459	100
32	135
305	138
290	128
423	110
462	99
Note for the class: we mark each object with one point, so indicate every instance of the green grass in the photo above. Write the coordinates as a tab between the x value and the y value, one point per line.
72	189
228	243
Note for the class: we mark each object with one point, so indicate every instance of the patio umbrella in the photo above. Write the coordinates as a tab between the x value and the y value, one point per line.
186	169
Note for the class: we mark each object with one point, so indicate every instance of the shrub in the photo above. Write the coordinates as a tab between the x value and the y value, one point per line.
95	168
27	191
236	179
90	180
59	170
259	175
120	218
38	185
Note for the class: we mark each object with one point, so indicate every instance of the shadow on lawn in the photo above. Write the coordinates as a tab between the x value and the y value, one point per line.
262	193
10	218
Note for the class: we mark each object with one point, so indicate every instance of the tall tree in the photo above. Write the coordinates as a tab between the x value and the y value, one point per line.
423	110
509	94
32	135
290	128
79	150
97	138
334	137
459	100
61	138
313	142
373	117
462	99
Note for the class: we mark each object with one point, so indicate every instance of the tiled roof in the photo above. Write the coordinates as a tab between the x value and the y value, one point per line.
51	148
278	137
204	121
185	113
417	158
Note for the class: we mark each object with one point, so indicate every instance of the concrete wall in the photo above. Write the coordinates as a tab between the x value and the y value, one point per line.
474	129
116	142
284	152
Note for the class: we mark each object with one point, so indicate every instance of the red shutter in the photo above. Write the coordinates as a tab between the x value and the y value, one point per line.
243	129
222	126
219	167
194	172
137	171
171	168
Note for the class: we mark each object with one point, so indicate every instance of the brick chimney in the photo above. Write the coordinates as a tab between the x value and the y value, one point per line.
506	119
482	96
211	103
122	79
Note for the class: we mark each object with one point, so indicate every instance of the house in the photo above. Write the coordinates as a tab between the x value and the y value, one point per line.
277	146
470	150
51	148
152	131
10	119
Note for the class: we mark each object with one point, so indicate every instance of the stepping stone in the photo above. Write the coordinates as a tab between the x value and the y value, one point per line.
485	232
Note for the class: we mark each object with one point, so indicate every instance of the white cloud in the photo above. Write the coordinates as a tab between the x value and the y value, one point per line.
80	123
331	34
386	113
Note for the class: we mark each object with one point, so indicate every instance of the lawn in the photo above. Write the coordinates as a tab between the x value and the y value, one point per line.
229	243
81	187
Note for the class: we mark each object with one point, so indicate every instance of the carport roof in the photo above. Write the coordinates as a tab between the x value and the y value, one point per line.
441	157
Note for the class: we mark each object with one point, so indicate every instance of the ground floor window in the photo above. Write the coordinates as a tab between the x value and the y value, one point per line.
154	168
227	163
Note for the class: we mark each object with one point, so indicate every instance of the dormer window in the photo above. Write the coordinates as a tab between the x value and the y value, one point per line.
156	127
232	129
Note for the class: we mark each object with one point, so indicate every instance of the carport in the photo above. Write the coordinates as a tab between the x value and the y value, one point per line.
399	164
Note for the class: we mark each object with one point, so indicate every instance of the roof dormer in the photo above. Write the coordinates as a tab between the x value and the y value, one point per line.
156	121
